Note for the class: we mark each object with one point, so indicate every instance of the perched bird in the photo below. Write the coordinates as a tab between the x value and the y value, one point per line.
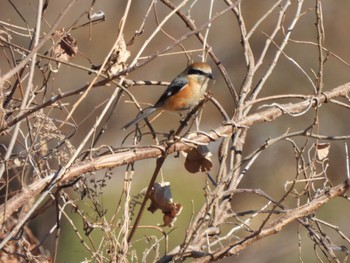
183	93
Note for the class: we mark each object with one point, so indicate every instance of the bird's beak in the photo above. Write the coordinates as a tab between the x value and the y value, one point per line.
210	76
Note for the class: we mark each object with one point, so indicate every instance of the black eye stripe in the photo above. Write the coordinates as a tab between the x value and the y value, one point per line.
193	71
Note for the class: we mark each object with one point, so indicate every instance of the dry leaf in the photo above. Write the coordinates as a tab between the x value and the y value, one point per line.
161	198
322	150
117	61
66	48
17	162
97	16
198	159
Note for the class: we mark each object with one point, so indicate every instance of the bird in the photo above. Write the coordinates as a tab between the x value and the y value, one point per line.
183	93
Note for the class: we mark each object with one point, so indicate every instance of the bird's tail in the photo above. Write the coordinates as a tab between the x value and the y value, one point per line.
146	112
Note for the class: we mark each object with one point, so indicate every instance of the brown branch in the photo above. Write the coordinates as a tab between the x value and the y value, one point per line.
189	22
106	81
160	162
274	227
129	155
48	35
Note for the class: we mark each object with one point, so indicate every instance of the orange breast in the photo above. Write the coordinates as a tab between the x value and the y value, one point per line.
182	100
187	97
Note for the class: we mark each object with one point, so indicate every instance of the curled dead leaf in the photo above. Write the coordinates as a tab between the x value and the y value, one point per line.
66	48
161	198
322	150
117	60
198	159
97	16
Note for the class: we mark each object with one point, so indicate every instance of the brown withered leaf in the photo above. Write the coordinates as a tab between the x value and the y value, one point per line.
66	48
198	159
322	150
117	60
161	198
